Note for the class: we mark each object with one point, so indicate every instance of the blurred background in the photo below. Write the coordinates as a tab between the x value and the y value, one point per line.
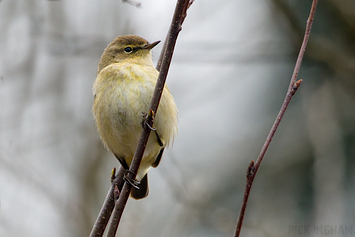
231	68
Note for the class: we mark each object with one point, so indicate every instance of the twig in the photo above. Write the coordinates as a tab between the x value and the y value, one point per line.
108	205
253	168
133	3
183	16
175	28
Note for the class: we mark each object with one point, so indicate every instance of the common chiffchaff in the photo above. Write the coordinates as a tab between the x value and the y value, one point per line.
123	89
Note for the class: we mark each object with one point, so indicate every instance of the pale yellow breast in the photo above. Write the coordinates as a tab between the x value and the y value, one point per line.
122	93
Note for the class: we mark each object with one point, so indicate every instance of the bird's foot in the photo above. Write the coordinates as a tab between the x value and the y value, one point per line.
135	183
145	123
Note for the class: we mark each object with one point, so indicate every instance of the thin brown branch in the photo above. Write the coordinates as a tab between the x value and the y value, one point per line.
181	20
175	28
294	85
108	205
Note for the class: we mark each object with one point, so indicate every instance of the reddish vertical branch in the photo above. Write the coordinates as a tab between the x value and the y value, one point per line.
253	168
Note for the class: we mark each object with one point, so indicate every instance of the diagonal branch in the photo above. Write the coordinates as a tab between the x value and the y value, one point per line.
253	168
108	205
180	22
175	28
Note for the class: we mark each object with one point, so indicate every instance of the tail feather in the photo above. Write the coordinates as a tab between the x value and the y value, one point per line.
143	190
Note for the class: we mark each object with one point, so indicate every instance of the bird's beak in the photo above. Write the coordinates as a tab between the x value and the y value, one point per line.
152	45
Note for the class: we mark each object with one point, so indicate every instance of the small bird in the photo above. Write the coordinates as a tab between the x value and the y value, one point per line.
122	91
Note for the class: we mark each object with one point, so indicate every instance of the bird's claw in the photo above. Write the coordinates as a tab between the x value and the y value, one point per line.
129	180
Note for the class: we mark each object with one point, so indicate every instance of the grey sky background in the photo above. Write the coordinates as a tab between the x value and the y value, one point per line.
229	75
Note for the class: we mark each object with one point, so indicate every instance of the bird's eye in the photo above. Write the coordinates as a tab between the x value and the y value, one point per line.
128	49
